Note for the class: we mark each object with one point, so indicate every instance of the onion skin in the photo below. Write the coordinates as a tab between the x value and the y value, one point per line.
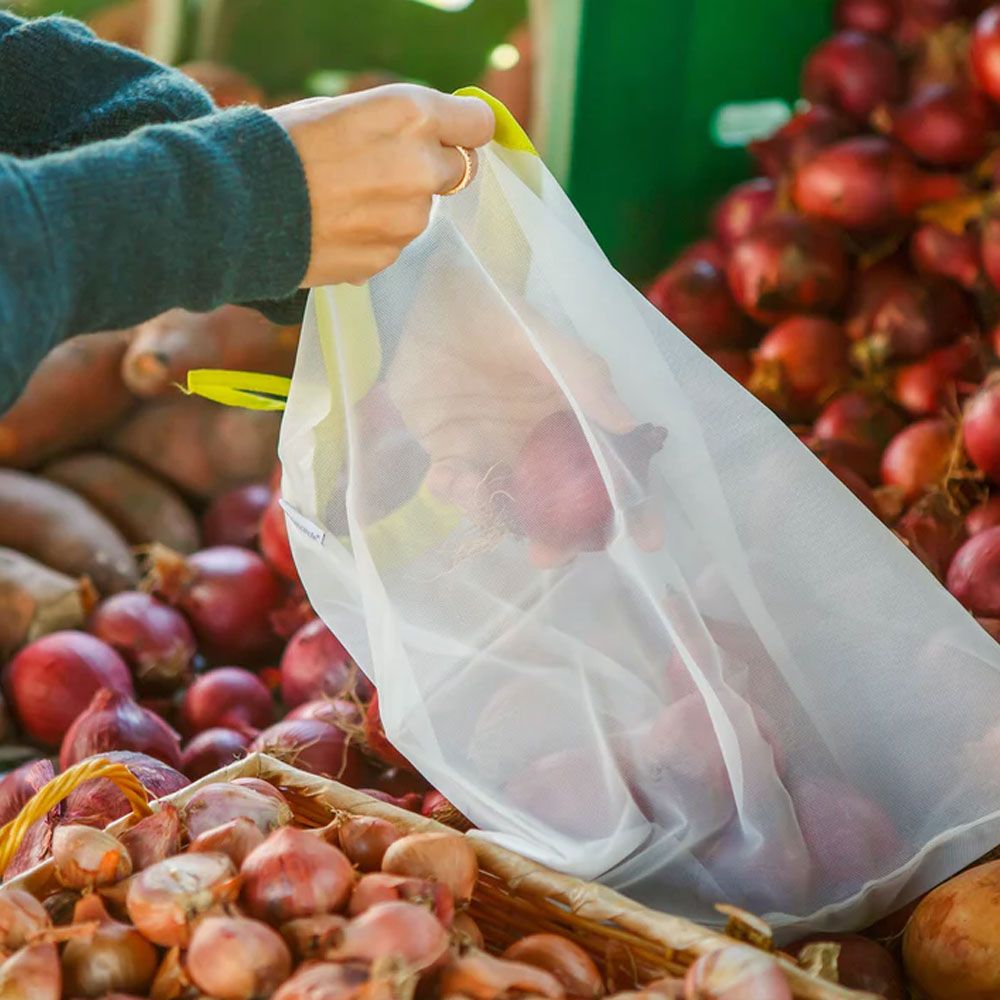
165	901
981	429
737	972
984	52
861	964
32	973
983	517
951	948
15	790
787	265
918	458
974	574
212	749
365	839
294	874
214	805
233	518
316	665
564	959
86	858
230	698
377	743
853	72
325	981
798	140
236	839
153	638
51	681
153	839
97	802
113	721
233	958
447	858
315	747
482	977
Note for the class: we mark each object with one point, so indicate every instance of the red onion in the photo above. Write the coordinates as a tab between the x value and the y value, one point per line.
694	296
227	697
559	494
852	71
113	721
152	638
805	357
933	531
227	594
274	541
858	962
402	781
788	265
919	457
52	680
868	182
741	210
938	251
858	418
212	749
153	838
989	243
986	515
902	317
16	789
233	518
925	388
944	125
411	802
97	802
707	250
313	746
974	574
736	364
377	742
435	806
984	52
856	484
877	17
294	612
981	428
216	804
992	626
316	665
346	715
798	140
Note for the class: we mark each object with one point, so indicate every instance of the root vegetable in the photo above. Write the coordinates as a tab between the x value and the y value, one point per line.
235	839
799	139
934	532
981	428
739	211
86	858
447	858
339	712
315	747
36	600
986	515
153	839
365	839
22	917
234	958
401	931
73	397
316	665
325	981
233	338
227	697
377	743
380	887
878	17
924	388
16	789
234	517
212	749
53	525
852	71
974	574
862	420
918	458
938	251
274	542
214	805
203	449
564	959
32	973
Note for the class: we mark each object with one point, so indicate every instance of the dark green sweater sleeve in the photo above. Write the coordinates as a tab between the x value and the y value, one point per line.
107	220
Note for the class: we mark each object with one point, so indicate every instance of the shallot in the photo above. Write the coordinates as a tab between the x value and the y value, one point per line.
924	388
86	858
235	839
447	858
564	959
154	838
22	918
877	17
233	518
799	139
32	973
214	805
986	515
938	251
365	839
401	931
380	887
325	981
274	542
857	962
739	211
315	747
235	958
482	977
984	52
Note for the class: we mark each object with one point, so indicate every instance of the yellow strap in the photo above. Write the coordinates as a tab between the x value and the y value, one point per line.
508	133
247	390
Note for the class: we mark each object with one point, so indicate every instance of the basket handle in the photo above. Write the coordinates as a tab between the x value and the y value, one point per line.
53	792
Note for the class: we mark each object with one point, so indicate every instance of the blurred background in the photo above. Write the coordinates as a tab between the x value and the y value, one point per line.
641	108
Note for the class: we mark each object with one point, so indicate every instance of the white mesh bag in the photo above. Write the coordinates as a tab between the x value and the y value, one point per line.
615	610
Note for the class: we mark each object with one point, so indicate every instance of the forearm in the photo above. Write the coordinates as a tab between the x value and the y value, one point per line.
192	215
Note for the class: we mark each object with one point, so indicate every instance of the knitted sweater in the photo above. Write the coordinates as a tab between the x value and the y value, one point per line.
124	193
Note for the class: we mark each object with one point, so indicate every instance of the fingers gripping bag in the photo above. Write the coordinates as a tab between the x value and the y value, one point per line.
614	609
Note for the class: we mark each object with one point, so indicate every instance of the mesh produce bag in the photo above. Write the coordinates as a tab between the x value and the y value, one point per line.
615	610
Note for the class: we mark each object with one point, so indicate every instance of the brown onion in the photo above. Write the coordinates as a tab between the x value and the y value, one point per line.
951	947
212	749
214	805
112	957
166	900
21	918
365	839
482	977
737	972
154	838
394	930
97	802
32	973
236	839
447	858
313	937
86	858
380	887
114	721
565	959
294	874
325	981
234	958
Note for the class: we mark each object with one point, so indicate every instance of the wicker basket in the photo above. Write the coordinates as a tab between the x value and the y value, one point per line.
514	897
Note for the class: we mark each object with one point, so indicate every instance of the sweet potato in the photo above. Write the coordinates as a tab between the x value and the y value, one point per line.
142	508
36	600
200	447
165	349
74	396
60	529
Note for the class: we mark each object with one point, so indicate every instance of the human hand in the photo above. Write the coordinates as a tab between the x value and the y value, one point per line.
372	162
